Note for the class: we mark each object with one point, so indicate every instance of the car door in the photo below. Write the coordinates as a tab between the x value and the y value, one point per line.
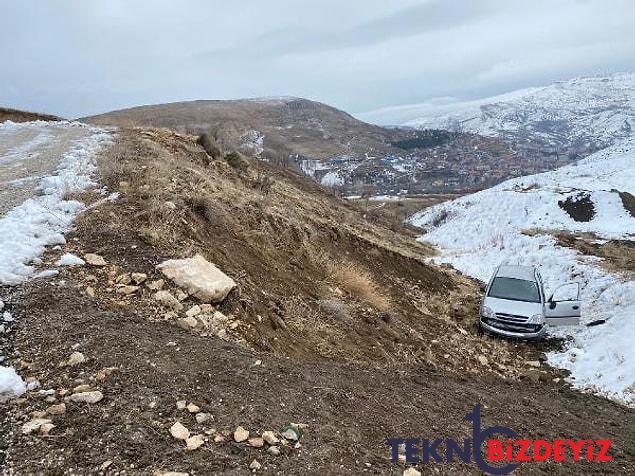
563	307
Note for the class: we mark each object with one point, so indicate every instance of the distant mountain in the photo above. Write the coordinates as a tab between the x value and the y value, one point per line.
336	149
575	117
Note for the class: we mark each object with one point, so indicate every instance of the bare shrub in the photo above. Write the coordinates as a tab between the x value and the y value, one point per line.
440	218
237	160
360	283
207	142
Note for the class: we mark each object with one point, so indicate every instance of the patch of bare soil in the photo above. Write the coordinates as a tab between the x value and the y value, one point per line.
579	207
337	324
628	201
618	255
15	115
395	212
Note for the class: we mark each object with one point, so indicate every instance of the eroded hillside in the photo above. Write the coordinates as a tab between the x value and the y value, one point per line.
337	336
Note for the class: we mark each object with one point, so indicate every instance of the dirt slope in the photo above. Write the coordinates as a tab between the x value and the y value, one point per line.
337	323
15	115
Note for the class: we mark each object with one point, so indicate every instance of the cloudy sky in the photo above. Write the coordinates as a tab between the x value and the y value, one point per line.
77	57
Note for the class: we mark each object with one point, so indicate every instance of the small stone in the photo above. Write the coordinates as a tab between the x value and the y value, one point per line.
181	404
240	434
94	259
104	373
56	409
187	323
34	425
273	450
219	438
270	437
202	417
181	295
87	397
194	442
123	279
256	442
90	291
81	388
193	408
193	311
179	432
156	285
255	465
105	465
168	300
290	434
139	278
482	360
37	414
127	290
411	472
46	428
533	363
76	358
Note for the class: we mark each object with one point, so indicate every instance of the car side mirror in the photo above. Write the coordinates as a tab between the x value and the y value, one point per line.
552	304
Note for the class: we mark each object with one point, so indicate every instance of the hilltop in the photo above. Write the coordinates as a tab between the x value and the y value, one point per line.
16	115
336	149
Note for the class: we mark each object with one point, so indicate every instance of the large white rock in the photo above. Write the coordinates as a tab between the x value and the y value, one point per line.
199	277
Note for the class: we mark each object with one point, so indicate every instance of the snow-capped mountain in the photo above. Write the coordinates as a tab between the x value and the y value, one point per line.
516	222
580	115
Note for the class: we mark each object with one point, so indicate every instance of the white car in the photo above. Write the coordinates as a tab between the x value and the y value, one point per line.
515	304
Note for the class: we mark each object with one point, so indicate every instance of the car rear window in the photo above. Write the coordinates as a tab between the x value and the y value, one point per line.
514	289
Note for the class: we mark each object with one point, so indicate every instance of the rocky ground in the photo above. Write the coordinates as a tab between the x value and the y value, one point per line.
336	337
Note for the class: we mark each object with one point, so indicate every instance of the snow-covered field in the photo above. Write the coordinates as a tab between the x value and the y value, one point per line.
477	232
41	220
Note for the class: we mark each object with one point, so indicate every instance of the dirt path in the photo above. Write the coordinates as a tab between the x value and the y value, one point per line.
27	153
350	410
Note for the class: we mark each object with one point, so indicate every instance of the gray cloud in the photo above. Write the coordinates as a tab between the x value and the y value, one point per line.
74	57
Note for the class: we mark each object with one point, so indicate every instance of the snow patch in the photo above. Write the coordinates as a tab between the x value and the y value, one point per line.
69	259
11	385
477	232
41	221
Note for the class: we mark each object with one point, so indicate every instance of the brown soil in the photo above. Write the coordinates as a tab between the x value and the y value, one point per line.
619	255
413	368
628	201
396	212
7	114
579	207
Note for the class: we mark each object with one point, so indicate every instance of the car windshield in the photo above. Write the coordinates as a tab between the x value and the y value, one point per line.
515	290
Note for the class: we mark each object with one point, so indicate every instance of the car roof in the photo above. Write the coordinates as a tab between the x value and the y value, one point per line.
516	272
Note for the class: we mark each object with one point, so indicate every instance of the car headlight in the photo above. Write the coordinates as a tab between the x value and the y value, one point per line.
536	319
487	312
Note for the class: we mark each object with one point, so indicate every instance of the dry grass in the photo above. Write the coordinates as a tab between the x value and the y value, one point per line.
359	282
